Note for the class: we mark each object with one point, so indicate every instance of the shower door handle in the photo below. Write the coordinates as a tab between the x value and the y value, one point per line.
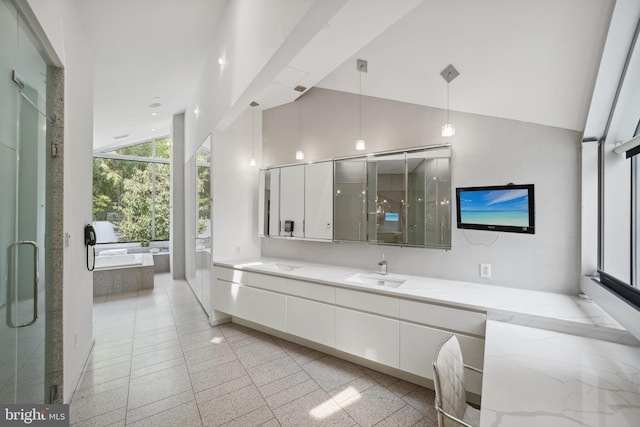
36	281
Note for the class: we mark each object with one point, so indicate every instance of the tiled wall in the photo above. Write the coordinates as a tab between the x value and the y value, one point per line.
54	236
106	282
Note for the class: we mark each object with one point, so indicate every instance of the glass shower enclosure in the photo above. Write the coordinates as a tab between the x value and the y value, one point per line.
23	122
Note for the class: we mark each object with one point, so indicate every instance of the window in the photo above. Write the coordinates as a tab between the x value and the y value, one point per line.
635	213
131	191
620	249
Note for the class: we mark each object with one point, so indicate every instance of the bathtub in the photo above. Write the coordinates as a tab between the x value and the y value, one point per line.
122	273
104	262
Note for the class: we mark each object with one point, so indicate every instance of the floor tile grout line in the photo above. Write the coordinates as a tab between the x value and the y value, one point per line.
280	379
84	370
162	411
135	318
305	394
301	363
400	409
185	361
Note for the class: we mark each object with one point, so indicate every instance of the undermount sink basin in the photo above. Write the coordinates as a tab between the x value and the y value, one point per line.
375	280
278	266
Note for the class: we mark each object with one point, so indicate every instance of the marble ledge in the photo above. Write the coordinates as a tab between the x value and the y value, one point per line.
556	312
535	377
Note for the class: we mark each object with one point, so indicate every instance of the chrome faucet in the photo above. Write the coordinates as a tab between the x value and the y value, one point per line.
383	265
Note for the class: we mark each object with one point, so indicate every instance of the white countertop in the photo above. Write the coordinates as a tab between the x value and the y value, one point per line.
535	377
546	310
550	360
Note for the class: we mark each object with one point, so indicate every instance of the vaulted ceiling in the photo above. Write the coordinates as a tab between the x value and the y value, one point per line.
533	61
145	52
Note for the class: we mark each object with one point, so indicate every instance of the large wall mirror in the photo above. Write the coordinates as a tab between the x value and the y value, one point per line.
198	223
399	198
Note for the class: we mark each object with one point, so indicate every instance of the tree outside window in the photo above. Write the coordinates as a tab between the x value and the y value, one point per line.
131	192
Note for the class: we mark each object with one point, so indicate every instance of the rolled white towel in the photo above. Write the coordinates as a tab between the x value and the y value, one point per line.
111	252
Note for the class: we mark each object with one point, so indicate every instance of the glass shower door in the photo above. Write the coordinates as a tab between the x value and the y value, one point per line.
22	212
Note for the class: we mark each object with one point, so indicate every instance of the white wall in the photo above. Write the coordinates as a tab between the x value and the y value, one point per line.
486	151
235	189
62	26
250	33
249	36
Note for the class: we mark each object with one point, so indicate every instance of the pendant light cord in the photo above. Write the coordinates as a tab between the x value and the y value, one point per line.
448	121
360	106
300	125
253	133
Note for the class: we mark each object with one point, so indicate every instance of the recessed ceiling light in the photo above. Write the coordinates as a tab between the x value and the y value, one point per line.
154	114
153	130
221	61
155	105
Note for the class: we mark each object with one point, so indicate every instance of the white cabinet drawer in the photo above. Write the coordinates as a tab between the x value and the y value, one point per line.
311	320
311	291
455	319
231	275
365	301
366	335
267	308
230	298
418	345
265	281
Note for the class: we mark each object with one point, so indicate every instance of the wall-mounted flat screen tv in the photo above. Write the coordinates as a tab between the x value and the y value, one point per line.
499	208
392	216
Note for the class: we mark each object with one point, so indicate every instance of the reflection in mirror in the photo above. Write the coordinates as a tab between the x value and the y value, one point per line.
202	224
388	192
400	198
350	208
264	203
428	195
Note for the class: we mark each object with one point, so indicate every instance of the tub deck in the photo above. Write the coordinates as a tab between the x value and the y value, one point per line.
117	279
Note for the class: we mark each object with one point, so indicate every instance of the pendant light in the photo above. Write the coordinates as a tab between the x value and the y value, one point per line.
361	65
448	74
252	161
299	153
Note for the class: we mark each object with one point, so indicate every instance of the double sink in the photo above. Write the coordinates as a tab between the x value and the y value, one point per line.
368	279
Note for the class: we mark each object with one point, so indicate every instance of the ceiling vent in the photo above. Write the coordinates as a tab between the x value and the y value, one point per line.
300	88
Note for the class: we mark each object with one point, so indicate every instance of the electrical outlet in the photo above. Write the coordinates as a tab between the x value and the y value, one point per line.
485	271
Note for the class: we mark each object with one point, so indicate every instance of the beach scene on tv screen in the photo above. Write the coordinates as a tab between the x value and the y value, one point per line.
495	207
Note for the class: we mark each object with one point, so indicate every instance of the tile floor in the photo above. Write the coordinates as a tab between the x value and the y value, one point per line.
157	362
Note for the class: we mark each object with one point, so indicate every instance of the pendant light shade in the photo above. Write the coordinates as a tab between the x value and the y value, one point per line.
448	129
361	65
448	74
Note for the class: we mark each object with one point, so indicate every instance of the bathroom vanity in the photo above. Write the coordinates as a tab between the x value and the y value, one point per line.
394	323
334	308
